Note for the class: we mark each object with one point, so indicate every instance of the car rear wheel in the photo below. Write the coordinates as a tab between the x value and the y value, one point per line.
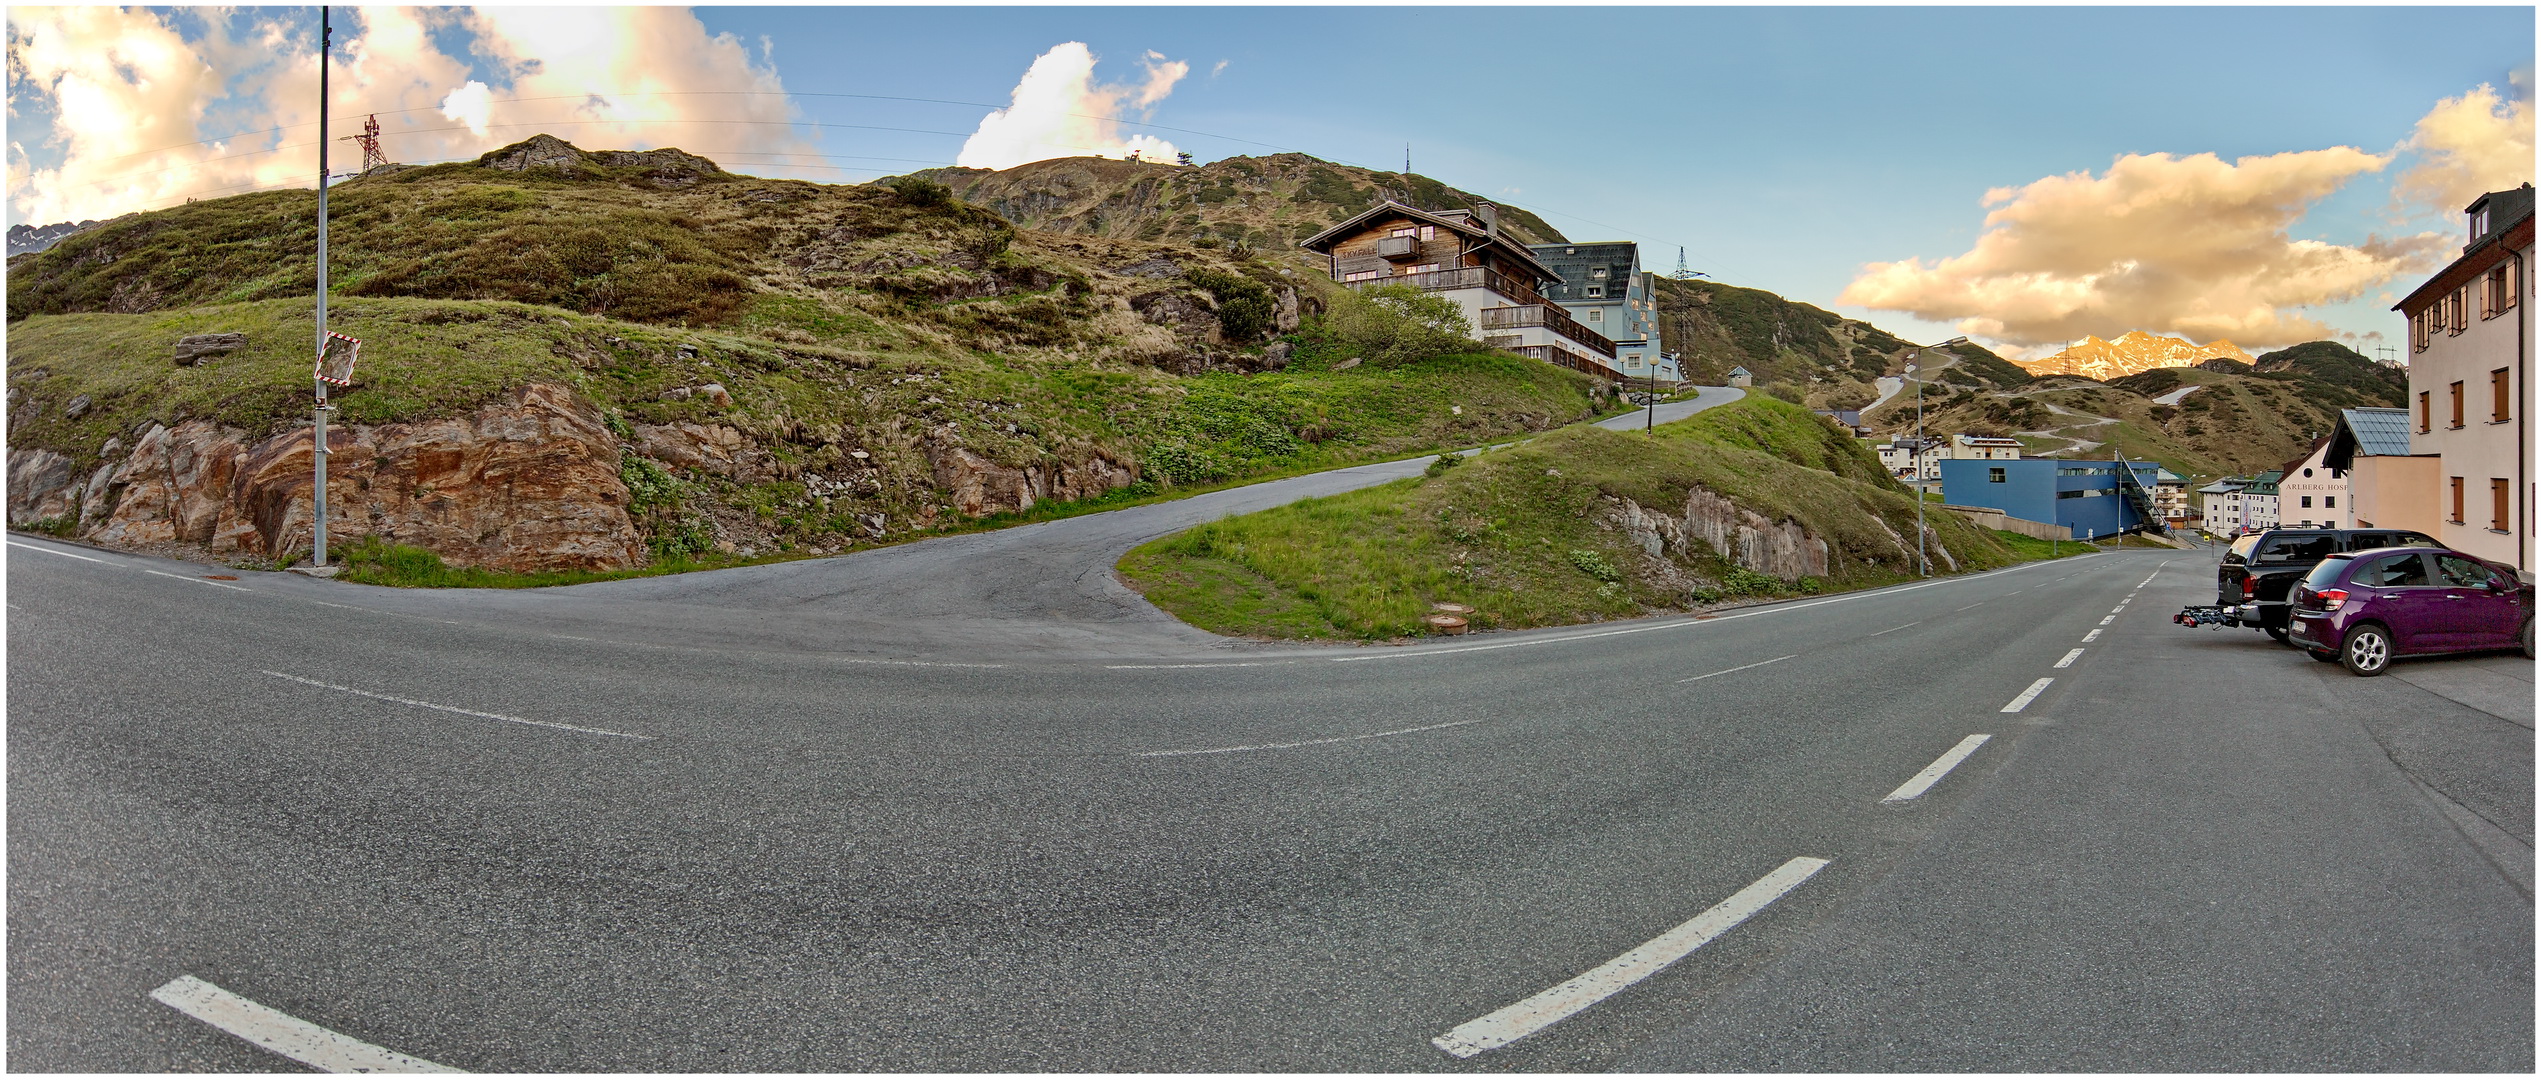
2326	656
2368	650
2527	639
2280	634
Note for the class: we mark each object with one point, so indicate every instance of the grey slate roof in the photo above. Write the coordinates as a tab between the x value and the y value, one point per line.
2367	433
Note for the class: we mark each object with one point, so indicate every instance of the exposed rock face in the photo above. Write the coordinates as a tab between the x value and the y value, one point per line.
978	487
39	486
2133	353
535	152
1743	537
525	486
667	168
193	349
712	448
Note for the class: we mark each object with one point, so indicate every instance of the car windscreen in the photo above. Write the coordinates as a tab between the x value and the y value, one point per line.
2326	574
2241	546
2302	547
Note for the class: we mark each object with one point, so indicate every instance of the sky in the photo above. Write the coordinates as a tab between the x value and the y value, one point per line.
2026	176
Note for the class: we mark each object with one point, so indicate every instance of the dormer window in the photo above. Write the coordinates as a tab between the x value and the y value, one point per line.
1598	272
2478	223
1596	290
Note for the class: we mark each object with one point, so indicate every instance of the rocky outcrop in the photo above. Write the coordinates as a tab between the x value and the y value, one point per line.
978	487
713	448
1744	538
527	485
193	349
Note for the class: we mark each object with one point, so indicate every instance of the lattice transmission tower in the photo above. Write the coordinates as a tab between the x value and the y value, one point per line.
372	158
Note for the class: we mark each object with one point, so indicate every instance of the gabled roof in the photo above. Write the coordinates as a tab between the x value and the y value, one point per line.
1740	370
2367	433
1460	221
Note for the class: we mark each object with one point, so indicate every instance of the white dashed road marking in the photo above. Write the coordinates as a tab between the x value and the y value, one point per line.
1741	667
2027	696
1561	1002
1922	782
2107	619
460	711
1894	629
285	1034
1308	742
2094	635
2069	659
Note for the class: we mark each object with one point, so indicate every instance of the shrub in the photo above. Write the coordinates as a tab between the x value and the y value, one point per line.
1392	325
1246	307
1444	463
920	191
1595	565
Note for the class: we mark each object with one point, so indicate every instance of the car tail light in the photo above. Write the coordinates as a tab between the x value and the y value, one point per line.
2332	599
2249	587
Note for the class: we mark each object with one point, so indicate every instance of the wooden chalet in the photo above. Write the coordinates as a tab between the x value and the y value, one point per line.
1462	255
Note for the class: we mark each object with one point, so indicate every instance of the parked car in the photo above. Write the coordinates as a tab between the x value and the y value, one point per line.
2367	608
2259	571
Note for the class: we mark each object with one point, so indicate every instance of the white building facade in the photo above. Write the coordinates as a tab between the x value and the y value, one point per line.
2314	495
2470	337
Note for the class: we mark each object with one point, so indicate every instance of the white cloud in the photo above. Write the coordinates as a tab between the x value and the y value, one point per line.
1059	111
1218	69
2177	245
472	105
2467	146
132	99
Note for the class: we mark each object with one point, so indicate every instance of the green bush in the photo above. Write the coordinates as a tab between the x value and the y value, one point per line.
1246	307
1595	565
1392	325
1444	463
920	191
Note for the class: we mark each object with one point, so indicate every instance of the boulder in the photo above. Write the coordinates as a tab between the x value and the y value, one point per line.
1284	317
77	408
39	486
978	487
193	349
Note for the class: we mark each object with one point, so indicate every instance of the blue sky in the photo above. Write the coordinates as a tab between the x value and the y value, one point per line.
1785	148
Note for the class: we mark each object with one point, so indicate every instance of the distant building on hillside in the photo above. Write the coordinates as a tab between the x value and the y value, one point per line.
2470	337
1740	376
2240	504
1602	285
1462	255
1848	419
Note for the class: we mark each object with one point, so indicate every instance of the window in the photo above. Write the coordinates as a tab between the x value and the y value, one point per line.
1596	314
2499	494
2478	224
1993	476
2307	504
2457	501
2457	404
2419	334
2425	411
1597	272
2393	572
1363	275
1596	290
2461	573
2329	502
2307	474
1429	232
1402	232
2497	384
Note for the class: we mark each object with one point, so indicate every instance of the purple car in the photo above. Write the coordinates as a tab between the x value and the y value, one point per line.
2366	608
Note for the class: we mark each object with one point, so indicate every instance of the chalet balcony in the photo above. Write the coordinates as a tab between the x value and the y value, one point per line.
1462	277
1551	317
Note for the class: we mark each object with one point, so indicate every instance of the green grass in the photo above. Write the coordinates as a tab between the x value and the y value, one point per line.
1520	534
372	562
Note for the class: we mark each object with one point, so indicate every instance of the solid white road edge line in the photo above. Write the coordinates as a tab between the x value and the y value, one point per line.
198	581
1921	782
50	551
2027	696
1308	742
2094	635
1741	667
2069	659
460	711
1561	1002
285	1034
1175	667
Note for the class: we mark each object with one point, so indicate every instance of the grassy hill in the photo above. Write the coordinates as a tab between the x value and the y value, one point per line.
2233	421
888	322
1264	204
1541	534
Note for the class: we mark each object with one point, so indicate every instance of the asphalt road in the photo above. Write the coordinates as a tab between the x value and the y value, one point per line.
582	830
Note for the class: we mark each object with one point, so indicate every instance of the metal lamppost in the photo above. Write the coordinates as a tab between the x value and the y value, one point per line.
1923	563
326	32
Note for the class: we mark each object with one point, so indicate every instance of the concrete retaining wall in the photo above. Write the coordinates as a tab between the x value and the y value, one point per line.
1996	519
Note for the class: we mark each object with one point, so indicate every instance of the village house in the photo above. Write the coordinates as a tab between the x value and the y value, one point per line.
1603	286
1463	256
2470	333
2314	493
2388	487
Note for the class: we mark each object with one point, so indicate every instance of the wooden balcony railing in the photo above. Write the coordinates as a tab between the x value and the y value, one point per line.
1462	277
1576	361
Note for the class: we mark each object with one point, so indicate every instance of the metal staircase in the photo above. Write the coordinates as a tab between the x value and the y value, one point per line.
2139	498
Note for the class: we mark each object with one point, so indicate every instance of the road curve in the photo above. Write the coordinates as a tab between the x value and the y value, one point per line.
525	832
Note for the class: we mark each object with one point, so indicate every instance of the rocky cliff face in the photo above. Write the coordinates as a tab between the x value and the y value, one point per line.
529	485
2132	353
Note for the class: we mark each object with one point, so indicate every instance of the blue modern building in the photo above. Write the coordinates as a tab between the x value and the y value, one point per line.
2080	495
